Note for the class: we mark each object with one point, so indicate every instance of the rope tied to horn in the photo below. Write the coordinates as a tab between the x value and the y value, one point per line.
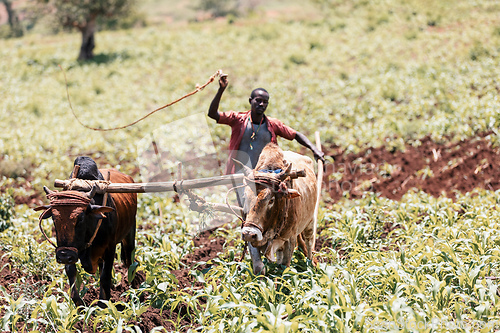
76	183
67	199
269	179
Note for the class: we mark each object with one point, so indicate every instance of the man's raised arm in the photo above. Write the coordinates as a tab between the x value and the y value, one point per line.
213	111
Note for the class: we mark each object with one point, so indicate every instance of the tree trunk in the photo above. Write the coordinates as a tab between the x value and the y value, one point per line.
88	44
15	25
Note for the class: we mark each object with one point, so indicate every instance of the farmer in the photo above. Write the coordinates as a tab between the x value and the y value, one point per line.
252	130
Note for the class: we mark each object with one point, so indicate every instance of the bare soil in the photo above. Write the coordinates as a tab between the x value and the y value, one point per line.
438	169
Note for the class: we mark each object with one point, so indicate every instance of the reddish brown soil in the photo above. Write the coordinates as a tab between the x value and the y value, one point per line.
437	169
461	166
206	247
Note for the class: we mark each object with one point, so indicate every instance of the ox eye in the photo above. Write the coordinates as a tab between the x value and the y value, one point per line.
271	202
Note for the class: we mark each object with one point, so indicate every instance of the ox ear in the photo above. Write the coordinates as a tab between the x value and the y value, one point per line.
45	207
46	212
292	193
100	210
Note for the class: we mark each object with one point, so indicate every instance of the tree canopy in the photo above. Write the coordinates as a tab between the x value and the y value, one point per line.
83	15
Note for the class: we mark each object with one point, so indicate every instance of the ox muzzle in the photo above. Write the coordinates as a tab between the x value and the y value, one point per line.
251	232
67	255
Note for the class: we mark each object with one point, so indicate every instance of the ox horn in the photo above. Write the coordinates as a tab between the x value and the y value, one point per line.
246	170
286	172
92	192
47	191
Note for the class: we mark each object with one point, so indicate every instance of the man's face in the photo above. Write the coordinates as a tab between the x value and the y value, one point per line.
259	102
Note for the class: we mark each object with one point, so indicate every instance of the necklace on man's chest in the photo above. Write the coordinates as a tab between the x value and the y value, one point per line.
254	132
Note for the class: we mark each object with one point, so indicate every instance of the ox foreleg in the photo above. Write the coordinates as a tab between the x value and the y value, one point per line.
287	252
258	265
71	273
302	244
105	270
128	246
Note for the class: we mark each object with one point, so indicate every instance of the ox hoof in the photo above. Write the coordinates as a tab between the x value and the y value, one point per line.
78	301
259	270
102	304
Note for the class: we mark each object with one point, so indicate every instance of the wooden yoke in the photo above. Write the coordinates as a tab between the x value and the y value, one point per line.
106	186
103	186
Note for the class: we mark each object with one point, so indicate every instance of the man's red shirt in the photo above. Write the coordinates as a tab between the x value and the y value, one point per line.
239	121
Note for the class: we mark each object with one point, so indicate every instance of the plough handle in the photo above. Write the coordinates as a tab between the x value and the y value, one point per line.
320	176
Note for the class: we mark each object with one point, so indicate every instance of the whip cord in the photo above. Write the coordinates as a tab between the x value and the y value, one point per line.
199	88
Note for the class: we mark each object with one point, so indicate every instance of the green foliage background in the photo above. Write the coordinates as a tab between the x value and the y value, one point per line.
367	73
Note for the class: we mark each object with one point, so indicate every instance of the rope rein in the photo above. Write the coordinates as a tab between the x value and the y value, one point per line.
230	207
41	229
269	181
198	88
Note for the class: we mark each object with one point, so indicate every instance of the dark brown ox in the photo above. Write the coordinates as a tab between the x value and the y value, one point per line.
278	209
80	236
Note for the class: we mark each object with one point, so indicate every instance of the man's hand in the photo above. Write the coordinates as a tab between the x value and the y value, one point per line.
319	155
223	81
213	110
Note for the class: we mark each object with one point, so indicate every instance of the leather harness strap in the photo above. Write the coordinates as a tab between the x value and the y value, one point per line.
105	199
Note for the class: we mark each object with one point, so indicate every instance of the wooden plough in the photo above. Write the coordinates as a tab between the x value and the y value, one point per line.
180	186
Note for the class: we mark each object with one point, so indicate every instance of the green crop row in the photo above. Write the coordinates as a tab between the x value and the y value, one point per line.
369	73
436	269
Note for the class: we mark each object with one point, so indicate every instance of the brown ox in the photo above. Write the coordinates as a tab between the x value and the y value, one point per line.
279	210
79	234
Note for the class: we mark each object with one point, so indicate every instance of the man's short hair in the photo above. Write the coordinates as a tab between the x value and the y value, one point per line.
254	92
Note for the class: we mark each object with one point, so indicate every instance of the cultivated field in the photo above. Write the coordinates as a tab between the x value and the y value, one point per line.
405	95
